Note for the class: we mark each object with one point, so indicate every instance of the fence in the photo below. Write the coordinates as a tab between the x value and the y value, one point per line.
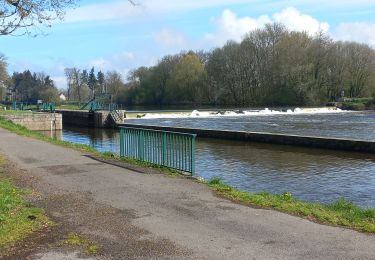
30	106
169	149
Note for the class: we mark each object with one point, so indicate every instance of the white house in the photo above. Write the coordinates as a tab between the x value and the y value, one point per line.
62	97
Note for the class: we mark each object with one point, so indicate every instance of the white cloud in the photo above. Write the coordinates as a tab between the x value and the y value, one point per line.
170	39
360	32
296	21
231	27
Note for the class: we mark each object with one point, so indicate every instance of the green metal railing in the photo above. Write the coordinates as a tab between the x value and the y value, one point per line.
47	107
169	149
51	107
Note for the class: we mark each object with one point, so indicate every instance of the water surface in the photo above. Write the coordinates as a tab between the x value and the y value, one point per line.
309	174
352	125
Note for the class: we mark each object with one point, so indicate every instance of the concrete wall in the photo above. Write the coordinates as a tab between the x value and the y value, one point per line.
99	119
38	121
102	119
307	141
77	117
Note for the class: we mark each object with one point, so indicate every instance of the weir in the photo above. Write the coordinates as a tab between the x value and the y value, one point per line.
272	138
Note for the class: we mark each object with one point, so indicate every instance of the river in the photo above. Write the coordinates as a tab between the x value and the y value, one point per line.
309	174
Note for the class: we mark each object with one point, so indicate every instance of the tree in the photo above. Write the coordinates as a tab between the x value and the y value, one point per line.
3	69
159	78
83	83
46	89
25	16
186	79
30	87
113	84
70	78
3	76
92	81
361	63
77	84
101	81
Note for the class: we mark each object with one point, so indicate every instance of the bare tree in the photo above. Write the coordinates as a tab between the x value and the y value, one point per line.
361	60
69	74
3	75
27	16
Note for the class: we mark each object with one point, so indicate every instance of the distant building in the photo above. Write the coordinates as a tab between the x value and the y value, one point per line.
62	97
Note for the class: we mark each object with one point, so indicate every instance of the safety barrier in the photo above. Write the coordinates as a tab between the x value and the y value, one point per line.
169	149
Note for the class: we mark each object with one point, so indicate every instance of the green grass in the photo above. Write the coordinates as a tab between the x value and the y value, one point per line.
14	112
20	130
341	213
359	104
69	107
18	219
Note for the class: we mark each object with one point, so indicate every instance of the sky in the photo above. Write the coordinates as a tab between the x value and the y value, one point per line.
115	35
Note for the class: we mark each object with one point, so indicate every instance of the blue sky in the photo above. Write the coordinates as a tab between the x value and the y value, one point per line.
114	35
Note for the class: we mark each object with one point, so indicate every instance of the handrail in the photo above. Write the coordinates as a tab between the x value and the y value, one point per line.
164	148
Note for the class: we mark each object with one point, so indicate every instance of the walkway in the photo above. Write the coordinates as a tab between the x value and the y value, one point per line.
141	216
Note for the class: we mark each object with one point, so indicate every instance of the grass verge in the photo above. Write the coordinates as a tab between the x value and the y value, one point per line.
341	213
18	219
23	131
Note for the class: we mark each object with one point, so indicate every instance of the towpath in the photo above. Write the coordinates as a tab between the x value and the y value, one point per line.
142	216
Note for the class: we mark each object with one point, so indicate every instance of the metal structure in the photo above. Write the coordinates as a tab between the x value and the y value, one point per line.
169	149
100	102
46	107
116	117
51	107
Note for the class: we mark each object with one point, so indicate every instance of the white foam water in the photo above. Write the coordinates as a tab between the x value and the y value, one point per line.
242	113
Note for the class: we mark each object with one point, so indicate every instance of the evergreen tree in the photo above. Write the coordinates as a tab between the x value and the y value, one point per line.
92	81
101	79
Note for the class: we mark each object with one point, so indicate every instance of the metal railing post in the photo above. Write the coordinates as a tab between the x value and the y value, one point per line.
193	155
141	147
122	146
165	149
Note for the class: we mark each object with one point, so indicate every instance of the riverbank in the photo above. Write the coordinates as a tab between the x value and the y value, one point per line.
340	213
133	215
358	104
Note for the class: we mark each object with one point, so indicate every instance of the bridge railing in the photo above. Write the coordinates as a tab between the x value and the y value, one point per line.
169	149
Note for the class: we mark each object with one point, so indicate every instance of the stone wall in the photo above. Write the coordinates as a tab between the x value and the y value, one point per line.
307	141
38	121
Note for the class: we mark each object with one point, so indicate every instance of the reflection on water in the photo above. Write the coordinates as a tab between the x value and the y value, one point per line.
309	174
